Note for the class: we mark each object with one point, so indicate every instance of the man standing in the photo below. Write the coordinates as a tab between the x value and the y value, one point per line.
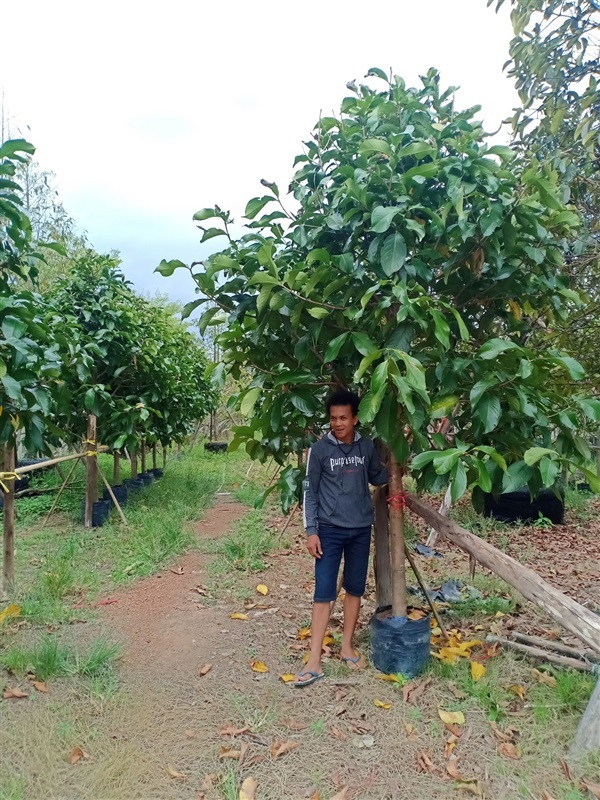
338	514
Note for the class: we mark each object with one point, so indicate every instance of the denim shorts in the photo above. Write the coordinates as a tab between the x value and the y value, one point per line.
354	544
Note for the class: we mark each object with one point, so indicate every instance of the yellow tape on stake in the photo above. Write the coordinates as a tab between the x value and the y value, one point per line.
7	476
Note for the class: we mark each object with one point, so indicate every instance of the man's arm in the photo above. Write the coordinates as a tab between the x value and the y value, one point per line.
378	474
311	492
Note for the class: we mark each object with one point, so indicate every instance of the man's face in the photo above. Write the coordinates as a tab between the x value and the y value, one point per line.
342	421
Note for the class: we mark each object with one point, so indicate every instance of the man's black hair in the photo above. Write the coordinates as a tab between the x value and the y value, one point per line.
343	397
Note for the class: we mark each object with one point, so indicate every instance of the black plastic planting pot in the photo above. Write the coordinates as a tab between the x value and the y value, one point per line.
216	447
518	506
399	644
120	493
133	485
158	472
146	477
100	512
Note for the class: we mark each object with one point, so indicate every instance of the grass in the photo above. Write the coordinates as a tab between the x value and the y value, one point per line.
47	659
246	547
60	570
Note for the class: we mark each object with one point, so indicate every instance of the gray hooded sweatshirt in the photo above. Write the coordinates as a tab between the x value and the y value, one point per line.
336	489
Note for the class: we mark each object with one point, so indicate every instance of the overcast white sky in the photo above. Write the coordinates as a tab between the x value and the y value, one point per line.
147	112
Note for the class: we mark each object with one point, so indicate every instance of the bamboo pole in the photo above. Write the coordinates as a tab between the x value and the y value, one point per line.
113	498
396	526
8	566
116	468
91	471
423	586
143	456
49	463
154	459
577	619
61	490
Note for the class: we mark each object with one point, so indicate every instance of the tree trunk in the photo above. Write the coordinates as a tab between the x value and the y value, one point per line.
381	562
571	615
91	471
133	460
154	461
143	456
587	737
8	568
164	457
116	468
396	526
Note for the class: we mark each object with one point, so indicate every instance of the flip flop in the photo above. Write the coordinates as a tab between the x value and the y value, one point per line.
315	677
355	661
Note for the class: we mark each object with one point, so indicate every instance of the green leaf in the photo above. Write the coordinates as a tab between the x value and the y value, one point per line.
379	73
249	401
505	153
364	344
422	459
458	485
205	213
442	329
591	408
3	369
319	313
365	364
167	268
256	205
484	480
516	476
494	347
489	412
443	406
382	216
13	146
334	347
574	368
480	388
592	479
549	470
417	149
12	327
443	462
12	388
534	454
375	146
393	253
462	328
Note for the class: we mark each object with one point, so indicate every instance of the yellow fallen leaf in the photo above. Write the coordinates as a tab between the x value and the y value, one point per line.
248	789
381	704
452	717
303	633
391	678
238	615
416	613
543	677
436	631
262	589
288	677
259	666
328	640
517	689
173	773
13	610
477	670
305	658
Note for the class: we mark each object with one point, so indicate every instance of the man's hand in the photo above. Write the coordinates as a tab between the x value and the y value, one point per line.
313	545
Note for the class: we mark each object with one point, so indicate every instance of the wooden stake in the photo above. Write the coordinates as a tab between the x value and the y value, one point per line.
423	586
154	461
116	468
61	490
114	499
396	524
133	460
577	619
8	566
91	471
143	456
559	647
542	655
288	520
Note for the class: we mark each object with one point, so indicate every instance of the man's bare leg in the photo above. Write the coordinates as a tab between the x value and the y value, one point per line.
351	612
319	622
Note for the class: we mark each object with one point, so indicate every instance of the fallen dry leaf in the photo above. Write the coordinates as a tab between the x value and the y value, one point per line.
517	689
173	773
381	704
511	734
250	762
340	694
454	729
425	764
411	693
450	745
281	748
209	781
287	677
259	666
248	789
342	794
294	724
77	753
592	788
477	670
231	730
16	693
452	770
416	613
40	686
547	796
204	670
238	615
13	610
262	589
452	717
337	733
473	787
566	770
201	590
509	750
236	755
177	570
543	677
